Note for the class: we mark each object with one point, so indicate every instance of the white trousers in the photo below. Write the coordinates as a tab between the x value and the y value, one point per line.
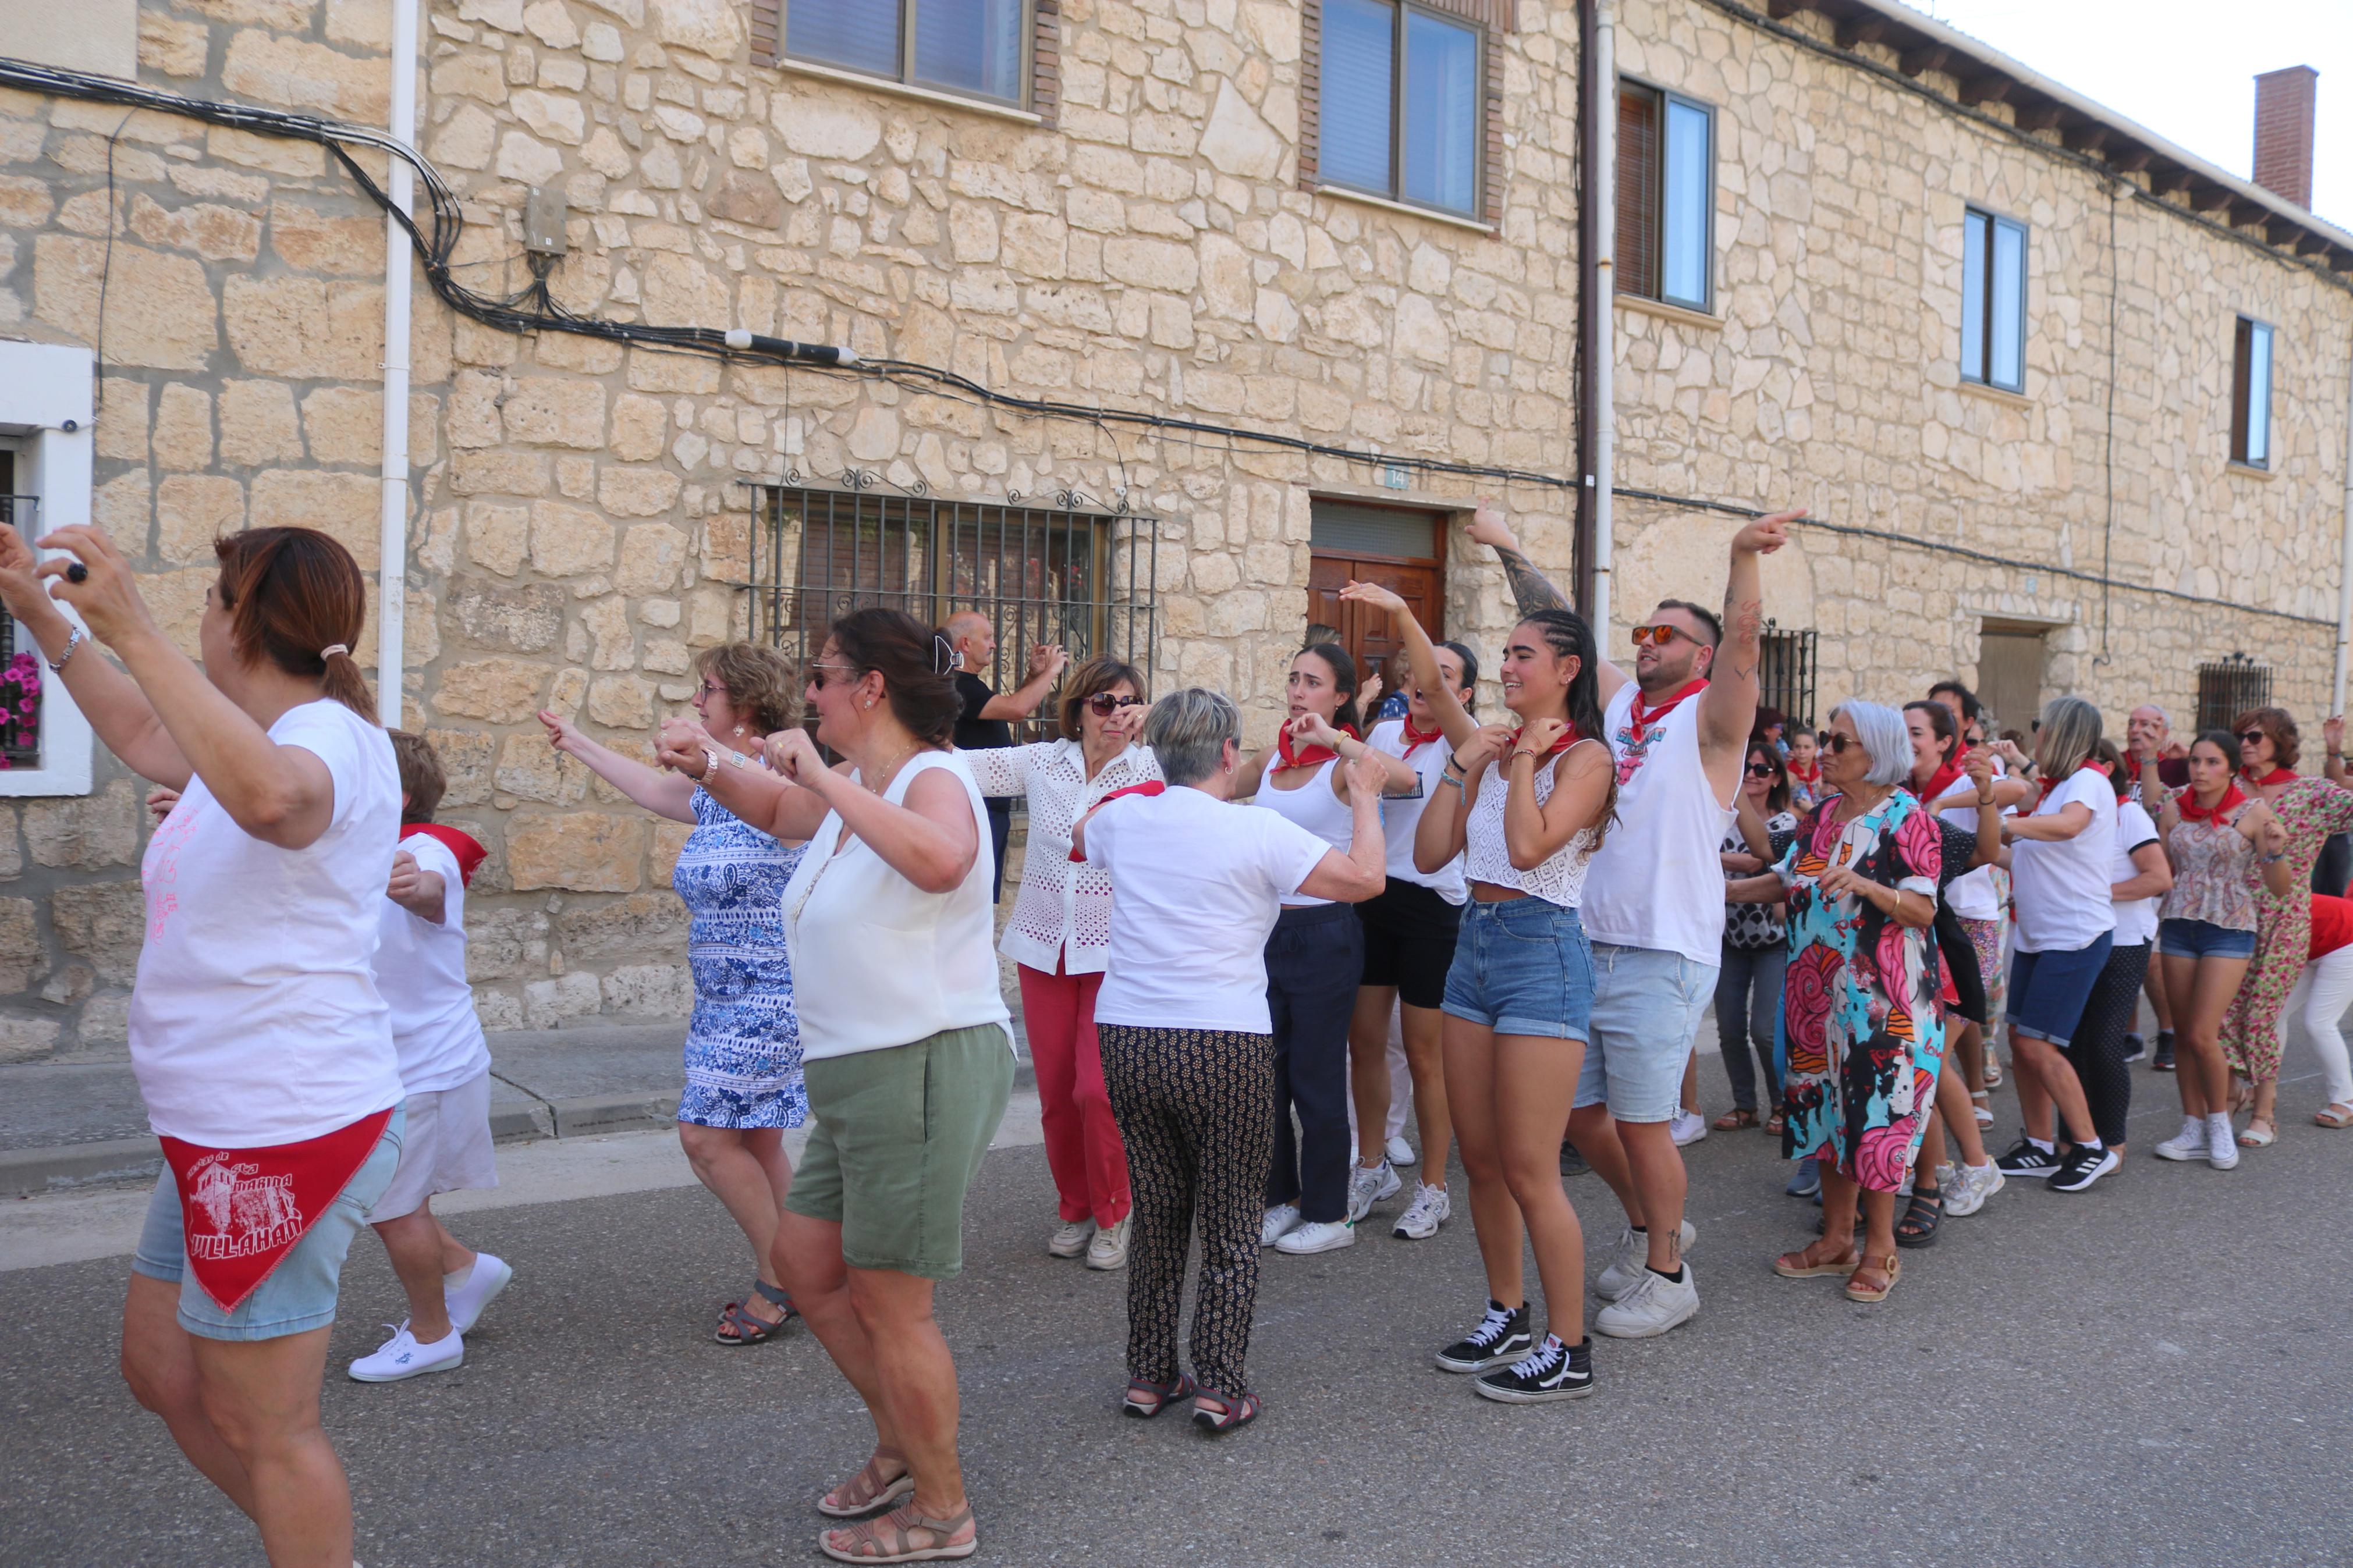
2316	1006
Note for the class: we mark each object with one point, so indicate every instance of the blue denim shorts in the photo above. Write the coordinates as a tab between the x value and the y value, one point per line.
1522	967
299	1293
2205	939
2048	990
1647	1005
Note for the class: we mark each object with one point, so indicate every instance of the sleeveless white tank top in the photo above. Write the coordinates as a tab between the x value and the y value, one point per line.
1658	883
1560	880
1315	807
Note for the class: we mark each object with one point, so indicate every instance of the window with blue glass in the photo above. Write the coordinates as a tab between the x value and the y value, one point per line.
1666	196
973	47
1993	301
1401	104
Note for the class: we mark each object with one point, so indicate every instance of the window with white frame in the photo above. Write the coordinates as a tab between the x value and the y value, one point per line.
976	47
45	485
1666	196
1993	301
2251	394
1400	103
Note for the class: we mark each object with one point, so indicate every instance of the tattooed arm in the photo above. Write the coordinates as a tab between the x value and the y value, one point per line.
1531	589
1728	708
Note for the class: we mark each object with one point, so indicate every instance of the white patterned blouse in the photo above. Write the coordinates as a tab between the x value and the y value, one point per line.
1062	912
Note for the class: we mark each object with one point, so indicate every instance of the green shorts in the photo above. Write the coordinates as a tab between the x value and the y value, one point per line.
896	1137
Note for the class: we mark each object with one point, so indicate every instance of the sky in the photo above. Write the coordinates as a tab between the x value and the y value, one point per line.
2186	68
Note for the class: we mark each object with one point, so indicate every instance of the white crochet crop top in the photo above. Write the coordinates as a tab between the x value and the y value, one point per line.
1560	880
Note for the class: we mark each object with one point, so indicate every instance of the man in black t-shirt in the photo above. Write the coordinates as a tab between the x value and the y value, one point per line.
988	719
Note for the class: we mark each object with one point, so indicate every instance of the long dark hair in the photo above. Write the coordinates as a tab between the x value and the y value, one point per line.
1566	633
914	663
293	595
1940	720
1343	678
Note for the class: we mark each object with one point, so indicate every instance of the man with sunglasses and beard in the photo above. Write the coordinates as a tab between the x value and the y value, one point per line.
1654	903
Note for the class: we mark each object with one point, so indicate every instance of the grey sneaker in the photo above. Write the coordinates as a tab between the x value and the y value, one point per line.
1654	1305
1281	1221
1108	1248
1071	1239
1429	1209
1628	1262
1967	1189
1367	1187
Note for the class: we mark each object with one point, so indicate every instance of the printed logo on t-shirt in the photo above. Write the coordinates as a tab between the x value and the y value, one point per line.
161	867
1633	746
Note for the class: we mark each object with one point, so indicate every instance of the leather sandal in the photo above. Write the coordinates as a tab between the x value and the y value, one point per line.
1891	1267
891	1539
1793	1265
1733	1121
867	1490
750	1328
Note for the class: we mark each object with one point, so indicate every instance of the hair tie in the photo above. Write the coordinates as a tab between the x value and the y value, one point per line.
331	649
943	654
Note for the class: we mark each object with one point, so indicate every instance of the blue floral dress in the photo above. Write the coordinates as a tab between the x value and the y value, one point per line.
744	1042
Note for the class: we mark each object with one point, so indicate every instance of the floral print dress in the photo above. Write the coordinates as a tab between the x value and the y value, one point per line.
1865	1032
2253	1031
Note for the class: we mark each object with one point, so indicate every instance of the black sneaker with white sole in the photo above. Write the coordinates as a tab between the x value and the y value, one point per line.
1502	1337
2136	1048
2027	1158
1552	1371
2082	1167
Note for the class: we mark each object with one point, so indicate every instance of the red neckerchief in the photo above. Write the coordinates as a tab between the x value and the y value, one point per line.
469	854
1150	786
1644	717
1810	778
2276	776
2192	812
2049	784
242	1210
1415	740
1940	781
1310	757
1567	738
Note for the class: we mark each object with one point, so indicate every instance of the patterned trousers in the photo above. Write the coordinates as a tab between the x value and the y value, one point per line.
1193	1107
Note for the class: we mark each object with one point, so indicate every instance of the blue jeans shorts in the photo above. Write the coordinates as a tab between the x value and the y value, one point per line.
1647	1005
2048	990
299	1293
1522	967
2205	939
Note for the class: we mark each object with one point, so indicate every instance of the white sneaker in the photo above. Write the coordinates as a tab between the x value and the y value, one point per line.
490	1275
1686	1127
1281	1221
2189	1143
1367	1187
1967	1189
1429	1209
1108	1248
2222	1145
1071	1239
1654	1305
1317	1236
1399	1151
401	1356
1628	1262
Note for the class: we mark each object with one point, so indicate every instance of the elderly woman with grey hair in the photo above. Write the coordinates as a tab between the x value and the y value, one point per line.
1188	1041
1861	1014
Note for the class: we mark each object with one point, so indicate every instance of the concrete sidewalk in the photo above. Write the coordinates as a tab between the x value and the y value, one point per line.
80	1123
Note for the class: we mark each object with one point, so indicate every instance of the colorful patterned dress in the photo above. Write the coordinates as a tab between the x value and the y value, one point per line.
1865	1030
2253	1031
744	1042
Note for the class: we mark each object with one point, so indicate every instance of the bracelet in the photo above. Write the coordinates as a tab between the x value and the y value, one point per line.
1454	779
709	765
74	639
1454	766
1985	800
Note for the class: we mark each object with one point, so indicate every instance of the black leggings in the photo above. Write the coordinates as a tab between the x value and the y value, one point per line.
2098	1050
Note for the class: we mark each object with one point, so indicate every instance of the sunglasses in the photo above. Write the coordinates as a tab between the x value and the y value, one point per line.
1760	770
2249	737
847	672
1660	636
1105	703
1839	743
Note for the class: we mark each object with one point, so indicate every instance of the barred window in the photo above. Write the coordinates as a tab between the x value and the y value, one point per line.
1785	674
2228	688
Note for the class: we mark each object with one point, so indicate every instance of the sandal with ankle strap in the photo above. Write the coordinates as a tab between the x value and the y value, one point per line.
866	1542
750	1328
1236	1413
1147	1399
877	1493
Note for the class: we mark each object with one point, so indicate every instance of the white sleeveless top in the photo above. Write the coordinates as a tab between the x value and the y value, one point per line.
877	962
1658	883
1560	880
1315	807
1401	814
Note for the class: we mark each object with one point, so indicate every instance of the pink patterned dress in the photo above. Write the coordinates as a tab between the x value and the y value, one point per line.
2253	1031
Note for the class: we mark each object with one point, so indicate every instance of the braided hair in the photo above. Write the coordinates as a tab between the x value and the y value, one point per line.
1566	633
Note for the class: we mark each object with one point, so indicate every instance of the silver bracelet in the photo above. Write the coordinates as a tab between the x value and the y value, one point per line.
74	639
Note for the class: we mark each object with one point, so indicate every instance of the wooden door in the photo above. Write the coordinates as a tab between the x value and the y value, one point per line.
1401	548
2010	677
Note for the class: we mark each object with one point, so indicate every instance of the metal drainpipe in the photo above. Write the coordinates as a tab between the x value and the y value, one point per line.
1600	327
391	575
2345	568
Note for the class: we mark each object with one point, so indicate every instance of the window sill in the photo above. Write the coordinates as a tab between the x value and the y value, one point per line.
2249	472
1643	304
1455	219
908	89
1994	393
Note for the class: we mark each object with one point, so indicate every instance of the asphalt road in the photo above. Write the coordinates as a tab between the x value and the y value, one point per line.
2152	1372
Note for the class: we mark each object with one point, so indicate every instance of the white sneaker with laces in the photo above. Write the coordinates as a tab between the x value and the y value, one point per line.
1399	1151
1071	1239
1630	1261
1367	1187
401	1356
1281	1221
1317	1236
1109	1248
1654	1305
2221	1144
1686	1127
1429	1209
1967	1189
2189	1143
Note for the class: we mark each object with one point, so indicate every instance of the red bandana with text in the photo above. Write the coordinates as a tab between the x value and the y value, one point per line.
242	1210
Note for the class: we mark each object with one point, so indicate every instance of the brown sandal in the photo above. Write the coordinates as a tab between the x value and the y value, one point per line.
1793	1265
1733	1121
1893	1269
868	1490
890	1538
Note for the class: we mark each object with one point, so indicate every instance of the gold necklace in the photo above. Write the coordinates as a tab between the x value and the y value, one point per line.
889	772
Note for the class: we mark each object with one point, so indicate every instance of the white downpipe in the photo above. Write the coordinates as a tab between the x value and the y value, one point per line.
1600	332
392	575
2345	568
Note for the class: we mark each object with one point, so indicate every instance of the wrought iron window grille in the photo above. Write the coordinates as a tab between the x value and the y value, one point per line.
1785	673
2228	688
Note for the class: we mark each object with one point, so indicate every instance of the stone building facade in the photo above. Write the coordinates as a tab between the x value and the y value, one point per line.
1148	228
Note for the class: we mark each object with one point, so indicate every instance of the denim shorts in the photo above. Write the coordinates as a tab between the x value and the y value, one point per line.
2048	990
299	1293
2205	939
1522	967
1647	1005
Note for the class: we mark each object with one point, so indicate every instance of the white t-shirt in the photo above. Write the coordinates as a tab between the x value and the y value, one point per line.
420	969
255	1019
1401	814
2136	917
2061	891
1196	884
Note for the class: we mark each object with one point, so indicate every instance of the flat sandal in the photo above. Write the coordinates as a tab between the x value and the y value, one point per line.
869	1532
884	1493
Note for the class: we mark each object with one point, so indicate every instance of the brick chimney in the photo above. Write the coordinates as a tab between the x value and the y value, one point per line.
2284	100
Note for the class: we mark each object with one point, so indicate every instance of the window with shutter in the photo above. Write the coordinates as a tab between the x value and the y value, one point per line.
980	48
1402	103
1666	196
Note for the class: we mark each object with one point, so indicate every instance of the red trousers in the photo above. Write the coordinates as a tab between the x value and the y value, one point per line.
1082	1146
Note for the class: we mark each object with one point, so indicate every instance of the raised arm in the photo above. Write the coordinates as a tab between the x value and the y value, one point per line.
1001	769
1420	657
1979	764
2332	736
740	781
664	794
1045	662
1531	589
117	710
1728	708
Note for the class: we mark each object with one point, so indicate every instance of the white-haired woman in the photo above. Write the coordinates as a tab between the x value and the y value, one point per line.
1188	1036
1865	1031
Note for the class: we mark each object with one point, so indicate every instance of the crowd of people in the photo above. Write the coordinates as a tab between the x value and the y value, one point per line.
1513	924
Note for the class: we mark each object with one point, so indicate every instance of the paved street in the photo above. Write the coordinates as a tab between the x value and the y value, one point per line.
2151	1374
